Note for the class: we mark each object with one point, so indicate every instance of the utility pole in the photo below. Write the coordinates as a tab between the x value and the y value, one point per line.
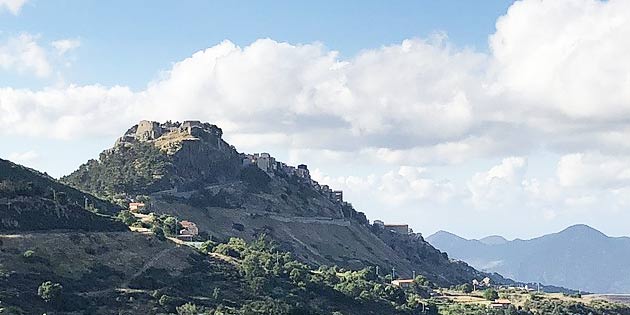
538	287
86	202
393	273
414	275
377	271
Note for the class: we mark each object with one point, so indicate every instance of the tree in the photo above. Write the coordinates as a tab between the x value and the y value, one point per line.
187	309
49	291
466	288
490	294
126	217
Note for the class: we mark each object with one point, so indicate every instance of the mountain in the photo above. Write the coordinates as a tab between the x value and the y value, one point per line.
32	201
493	240
187	170
578	257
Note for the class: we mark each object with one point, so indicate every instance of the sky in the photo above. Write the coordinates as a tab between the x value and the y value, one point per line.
475	117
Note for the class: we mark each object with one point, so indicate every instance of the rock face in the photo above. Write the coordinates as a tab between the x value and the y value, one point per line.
188	170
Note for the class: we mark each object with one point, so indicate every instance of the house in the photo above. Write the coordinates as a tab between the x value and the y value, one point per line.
403	283
188	231
500	304
136	206
398	228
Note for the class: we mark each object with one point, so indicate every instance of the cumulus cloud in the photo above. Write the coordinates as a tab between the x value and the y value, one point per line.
500	185
593	170
63	46
570	63
23	54
13	6
398	187
561	84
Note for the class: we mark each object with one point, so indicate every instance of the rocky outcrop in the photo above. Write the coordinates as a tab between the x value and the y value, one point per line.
154	156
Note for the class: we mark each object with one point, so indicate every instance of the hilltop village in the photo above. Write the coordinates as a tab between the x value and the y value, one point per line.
270	165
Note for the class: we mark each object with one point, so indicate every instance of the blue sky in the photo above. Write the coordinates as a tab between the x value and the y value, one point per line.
129	42
457	115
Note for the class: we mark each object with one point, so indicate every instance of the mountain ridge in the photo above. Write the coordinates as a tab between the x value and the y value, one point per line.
578	256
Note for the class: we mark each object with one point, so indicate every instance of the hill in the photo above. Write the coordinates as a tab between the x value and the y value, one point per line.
32	201
188	170
578	257
133	273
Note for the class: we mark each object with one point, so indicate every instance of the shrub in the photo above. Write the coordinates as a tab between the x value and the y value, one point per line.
29	255
490	294
49	291
187	309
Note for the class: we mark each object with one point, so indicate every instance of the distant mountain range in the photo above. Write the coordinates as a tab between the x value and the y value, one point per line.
579	257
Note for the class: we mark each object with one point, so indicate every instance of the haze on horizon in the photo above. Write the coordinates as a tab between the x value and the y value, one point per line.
509	120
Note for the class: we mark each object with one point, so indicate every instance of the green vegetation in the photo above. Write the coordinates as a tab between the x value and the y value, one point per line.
490	294
134	169
50	292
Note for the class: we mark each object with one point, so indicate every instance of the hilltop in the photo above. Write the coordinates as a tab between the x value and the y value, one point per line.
578	257
187	170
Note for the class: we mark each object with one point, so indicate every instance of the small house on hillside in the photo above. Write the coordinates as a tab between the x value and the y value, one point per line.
403	283
188	231
500	304
398	228
136	206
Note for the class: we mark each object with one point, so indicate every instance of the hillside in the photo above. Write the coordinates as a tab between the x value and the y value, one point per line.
578	257
187	169
132	273
32	201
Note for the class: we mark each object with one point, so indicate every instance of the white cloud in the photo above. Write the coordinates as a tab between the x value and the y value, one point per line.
570	63
561	84
500	185
410	184
23	54
593	170
23	157
63	46
13	6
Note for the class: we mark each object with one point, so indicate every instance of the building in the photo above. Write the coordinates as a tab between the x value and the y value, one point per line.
248	159
302	171
337	196
188	231
403	283
379	224
398	228
500	304
266	162
136	206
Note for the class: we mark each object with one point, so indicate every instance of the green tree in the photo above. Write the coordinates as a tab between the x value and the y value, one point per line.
490	294
187	309
466	288
126	217
50	291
